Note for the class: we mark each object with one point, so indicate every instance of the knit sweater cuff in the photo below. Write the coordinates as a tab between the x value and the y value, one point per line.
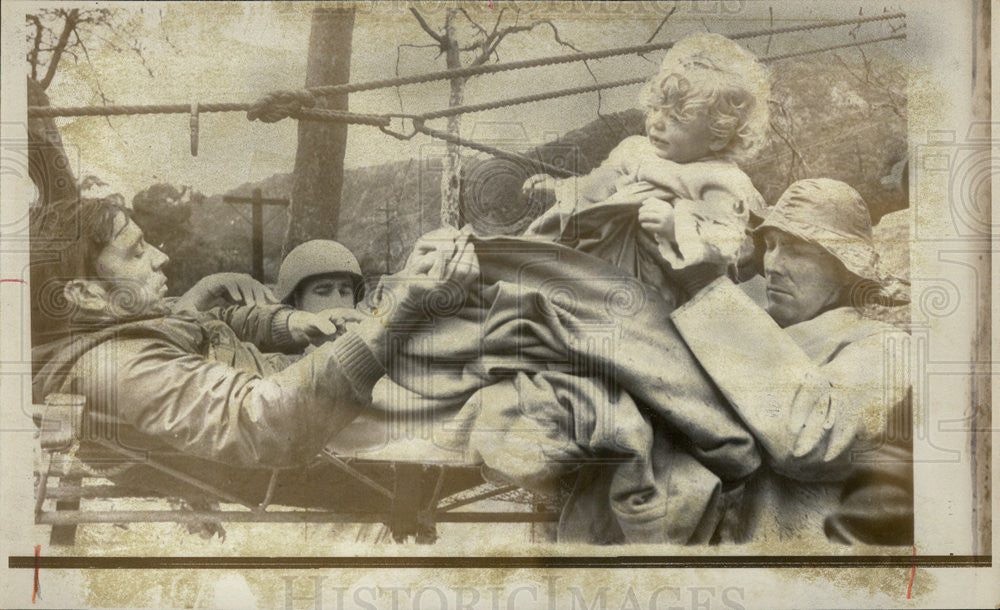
281	335
358	362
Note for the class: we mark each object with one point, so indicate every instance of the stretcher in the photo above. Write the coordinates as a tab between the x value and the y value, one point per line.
409	497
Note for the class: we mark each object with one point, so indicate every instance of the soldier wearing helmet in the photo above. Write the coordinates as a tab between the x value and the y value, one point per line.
318	275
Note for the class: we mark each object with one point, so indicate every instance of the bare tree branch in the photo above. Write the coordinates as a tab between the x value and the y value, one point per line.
69	27
872	81
97	81
770	25
848	68
479	28
33	54
490	45
797	157
427	28
131	42
399	94
496	26
663	22
619	127
657	31
69	51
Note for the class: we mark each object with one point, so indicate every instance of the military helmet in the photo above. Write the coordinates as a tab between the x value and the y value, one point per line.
316	257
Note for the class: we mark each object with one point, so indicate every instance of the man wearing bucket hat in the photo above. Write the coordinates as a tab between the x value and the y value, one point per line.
808	374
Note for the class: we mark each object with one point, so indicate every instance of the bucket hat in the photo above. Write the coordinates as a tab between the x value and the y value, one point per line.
832	215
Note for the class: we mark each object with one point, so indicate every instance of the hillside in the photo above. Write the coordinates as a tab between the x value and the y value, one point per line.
852	128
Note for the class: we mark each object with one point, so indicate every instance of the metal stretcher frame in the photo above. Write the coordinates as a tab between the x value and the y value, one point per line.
60	427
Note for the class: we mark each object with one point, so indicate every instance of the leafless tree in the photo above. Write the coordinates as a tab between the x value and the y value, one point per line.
464	42
53	34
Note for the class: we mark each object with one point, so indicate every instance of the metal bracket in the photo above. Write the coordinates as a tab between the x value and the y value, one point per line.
194	129
399	135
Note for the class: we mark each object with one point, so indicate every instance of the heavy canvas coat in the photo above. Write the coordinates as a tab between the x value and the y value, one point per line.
821	397
196	393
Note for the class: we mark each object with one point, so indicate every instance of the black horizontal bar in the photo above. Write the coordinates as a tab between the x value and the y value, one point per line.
613	562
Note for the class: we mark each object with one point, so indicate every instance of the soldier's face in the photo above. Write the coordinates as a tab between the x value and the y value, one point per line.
319	293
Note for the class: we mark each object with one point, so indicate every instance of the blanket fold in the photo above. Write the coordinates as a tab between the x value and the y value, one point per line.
559	362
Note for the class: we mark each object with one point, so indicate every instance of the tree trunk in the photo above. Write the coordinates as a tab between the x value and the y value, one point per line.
48	165
319	160
451	173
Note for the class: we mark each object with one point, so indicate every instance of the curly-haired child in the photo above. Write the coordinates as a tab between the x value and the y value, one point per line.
706	110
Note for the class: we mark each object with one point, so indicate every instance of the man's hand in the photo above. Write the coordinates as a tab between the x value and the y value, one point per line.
442	260
326	325
657	217
221	289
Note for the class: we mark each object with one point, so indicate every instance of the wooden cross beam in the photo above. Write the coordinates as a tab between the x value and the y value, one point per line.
258	202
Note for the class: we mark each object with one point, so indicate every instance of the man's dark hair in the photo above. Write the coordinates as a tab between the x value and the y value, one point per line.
67	236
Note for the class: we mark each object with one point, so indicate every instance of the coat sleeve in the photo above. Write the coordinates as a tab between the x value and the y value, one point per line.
810	419
211	410
266	326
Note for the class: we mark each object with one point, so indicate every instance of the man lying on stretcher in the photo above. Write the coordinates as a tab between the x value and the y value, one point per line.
207	392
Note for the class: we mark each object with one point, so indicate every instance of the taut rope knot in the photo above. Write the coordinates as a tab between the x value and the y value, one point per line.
278	105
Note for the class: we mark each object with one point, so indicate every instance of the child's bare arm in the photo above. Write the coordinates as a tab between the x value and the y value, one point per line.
593	187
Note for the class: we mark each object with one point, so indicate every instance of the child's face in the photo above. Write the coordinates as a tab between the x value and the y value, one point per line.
679	141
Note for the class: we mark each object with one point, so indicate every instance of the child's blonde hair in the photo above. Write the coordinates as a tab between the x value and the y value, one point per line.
709	71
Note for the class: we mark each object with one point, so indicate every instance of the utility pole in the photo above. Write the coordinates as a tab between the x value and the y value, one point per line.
257	202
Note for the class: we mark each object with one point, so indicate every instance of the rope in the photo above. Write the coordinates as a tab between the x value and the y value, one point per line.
527	99
53	111
296	104
562	59
554	170
514	101
557	171
265	109
833	48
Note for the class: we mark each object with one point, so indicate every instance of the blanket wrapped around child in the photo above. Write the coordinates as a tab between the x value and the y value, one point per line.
560	363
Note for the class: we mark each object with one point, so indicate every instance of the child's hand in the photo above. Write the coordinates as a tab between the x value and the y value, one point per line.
540	186
657	217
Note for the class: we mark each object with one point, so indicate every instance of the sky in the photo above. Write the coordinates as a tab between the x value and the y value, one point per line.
220	52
